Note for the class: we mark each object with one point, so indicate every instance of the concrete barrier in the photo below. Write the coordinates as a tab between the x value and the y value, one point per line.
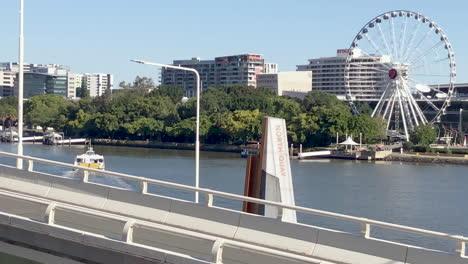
348	248
201	218
273	233
208	223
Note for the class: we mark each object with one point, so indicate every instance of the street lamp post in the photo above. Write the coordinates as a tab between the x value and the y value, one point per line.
197	133
19	162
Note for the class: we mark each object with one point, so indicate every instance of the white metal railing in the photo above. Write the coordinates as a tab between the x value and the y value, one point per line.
210	194
131	224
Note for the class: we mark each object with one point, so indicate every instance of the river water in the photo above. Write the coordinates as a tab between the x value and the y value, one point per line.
429	196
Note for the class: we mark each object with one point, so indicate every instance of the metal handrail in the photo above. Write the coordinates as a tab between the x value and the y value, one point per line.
365	222
127	232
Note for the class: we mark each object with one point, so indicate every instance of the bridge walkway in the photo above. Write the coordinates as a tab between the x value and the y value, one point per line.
81	221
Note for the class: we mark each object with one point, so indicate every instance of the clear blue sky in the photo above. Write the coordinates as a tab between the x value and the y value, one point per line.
102	35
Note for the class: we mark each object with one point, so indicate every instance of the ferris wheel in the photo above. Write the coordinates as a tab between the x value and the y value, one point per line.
404	65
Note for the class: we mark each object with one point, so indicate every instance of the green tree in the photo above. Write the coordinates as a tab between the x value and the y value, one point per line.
302	128
372	129
188	109
46	111
424	135
316	98
244	126
174	92
82	92
8	110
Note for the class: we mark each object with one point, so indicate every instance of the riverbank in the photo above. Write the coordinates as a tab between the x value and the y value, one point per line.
429	158
167	145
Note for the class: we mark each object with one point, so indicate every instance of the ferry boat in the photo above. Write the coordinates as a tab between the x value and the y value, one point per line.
90	160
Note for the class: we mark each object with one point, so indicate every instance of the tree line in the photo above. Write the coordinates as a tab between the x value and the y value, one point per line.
229	115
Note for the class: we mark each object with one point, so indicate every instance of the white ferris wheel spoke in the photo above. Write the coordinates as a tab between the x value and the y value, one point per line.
408	57
407	106
430	86
373	44
403	115
395	51
383	38
377	108
391	110
410	101
375	60
428	101
424	54
360	66
415	32
402	38
388	103
416	106
430	75
422	65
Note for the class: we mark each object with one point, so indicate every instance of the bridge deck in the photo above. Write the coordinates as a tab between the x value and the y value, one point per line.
72	219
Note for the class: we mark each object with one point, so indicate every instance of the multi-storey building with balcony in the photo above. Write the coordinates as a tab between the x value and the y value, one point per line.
239	69
185	79
228	70
97	83
329	75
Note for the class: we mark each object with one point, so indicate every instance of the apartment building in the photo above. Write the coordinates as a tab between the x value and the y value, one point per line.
367	75
74	82
97	83
185	79
227	70
238	69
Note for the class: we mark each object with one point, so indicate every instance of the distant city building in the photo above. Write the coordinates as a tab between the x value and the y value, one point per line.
238	69
185	79
74	82
227	70
14	67
97	83
329	76
270	68
34	84
51	79
294	84
7	83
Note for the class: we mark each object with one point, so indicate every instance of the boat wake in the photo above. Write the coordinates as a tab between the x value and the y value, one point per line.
100	179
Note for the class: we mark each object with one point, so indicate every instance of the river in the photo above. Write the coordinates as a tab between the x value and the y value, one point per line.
420	195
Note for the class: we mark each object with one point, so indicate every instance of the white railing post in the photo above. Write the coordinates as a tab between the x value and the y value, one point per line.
49	216
281	213
85	175
461	247
365	230
127	233
217	251
144	187
30	165
209	199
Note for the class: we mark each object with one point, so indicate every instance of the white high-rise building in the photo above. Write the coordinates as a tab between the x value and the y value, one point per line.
74	82
97	83
329	75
